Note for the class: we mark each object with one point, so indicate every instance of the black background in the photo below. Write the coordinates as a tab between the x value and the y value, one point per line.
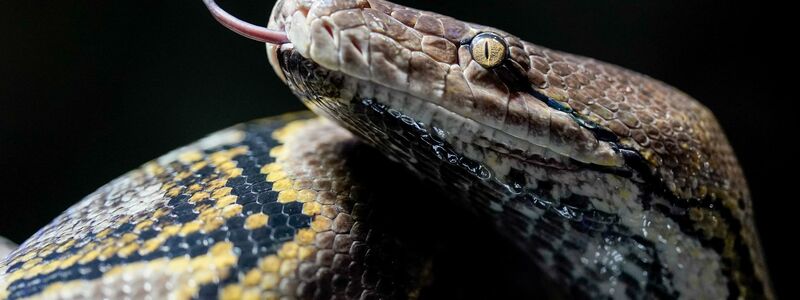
92	89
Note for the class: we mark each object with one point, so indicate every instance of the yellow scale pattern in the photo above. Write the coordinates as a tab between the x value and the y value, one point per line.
307	167
262	282
211	218
204	269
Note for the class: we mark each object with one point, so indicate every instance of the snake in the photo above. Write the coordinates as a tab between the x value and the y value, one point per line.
611	183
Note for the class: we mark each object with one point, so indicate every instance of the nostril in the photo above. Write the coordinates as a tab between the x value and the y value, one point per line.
356	44
328	28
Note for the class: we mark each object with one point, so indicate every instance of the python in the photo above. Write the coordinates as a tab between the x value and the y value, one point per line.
613	183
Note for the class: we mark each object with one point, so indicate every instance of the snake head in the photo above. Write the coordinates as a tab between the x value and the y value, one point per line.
424	65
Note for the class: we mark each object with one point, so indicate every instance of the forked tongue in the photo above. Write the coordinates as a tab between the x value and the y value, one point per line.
258	33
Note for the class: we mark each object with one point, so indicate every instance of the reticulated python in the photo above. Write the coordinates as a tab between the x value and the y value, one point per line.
614	184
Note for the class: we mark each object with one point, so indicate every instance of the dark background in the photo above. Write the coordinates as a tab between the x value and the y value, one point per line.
92	89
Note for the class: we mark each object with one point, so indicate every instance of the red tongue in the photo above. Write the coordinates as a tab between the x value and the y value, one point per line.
258	33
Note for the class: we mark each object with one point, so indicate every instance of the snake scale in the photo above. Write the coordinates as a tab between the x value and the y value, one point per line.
613	184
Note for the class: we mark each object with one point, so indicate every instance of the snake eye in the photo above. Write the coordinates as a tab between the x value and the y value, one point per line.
488	49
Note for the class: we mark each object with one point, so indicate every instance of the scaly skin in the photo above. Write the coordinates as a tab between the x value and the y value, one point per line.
284	207
554	139
616	185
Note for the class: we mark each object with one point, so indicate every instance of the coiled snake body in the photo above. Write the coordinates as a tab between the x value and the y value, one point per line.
614	184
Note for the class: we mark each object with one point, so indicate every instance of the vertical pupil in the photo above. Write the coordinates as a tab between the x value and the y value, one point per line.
486	49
